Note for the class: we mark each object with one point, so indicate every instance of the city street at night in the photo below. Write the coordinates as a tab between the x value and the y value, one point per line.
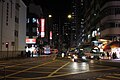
45	68
59	39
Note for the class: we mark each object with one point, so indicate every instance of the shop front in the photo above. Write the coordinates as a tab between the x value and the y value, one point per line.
113	48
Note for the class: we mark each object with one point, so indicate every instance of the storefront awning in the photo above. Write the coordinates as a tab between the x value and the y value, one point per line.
114	44
107	47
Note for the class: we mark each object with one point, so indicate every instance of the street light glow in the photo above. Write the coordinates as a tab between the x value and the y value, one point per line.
50	16
69	16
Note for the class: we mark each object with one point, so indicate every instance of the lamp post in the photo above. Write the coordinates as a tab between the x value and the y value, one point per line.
70	18
50	28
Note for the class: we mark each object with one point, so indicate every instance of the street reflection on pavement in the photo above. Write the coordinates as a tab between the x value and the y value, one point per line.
76	67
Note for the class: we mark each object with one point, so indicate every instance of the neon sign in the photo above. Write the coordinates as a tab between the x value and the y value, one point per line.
42	27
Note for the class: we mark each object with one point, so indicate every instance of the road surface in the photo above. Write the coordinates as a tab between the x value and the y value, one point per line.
45	68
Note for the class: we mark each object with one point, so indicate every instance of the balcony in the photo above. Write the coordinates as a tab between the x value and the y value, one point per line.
111	32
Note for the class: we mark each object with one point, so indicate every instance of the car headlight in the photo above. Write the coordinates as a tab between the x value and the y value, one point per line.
92	56
75	57
83	57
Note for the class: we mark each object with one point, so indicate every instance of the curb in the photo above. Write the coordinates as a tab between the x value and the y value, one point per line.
108	63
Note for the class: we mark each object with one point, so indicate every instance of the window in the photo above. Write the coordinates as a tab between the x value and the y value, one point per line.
11	7
16	19
7	13
16	33
17	6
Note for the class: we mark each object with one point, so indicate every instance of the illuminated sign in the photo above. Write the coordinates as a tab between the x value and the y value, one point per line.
37	21
34	20
42	34
30	41
50	34
42	27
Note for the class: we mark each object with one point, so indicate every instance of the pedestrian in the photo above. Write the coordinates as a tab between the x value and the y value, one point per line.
38	51
32	53
114	55
108	55
103	54
28	54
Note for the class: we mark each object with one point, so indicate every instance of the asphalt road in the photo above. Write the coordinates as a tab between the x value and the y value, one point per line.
45	68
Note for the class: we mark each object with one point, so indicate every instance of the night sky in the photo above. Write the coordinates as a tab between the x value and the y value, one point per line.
55	7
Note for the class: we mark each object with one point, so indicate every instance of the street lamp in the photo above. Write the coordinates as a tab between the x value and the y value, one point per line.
69	16
49	16
70	24
50	29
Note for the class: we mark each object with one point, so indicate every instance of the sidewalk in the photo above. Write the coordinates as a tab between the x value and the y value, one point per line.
52	56
112	62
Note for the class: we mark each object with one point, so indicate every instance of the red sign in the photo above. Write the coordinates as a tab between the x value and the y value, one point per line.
50	34
30	40
42	27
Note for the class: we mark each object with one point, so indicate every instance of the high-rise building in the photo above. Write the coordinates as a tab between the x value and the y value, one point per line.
102	16
75	23
100	21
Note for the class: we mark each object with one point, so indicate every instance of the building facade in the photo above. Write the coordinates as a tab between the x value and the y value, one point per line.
101	17
12	27
34	28
100	20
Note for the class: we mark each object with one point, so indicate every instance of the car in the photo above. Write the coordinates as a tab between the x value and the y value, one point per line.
74	57
54	51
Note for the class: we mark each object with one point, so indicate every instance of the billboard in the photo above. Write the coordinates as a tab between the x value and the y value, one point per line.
30	41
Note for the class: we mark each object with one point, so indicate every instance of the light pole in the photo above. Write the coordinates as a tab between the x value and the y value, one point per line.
50	28
70	18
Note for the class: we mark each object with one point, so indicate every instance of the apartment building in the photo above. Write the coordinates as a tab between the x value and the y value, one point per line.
12	27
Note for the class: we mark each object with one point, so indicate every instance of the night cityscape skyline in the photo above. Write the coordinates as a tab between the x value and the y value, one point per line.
82	29
59	39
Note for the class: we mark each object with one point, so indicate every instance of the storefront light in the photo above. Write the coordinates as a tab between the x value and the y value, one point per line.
102	40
